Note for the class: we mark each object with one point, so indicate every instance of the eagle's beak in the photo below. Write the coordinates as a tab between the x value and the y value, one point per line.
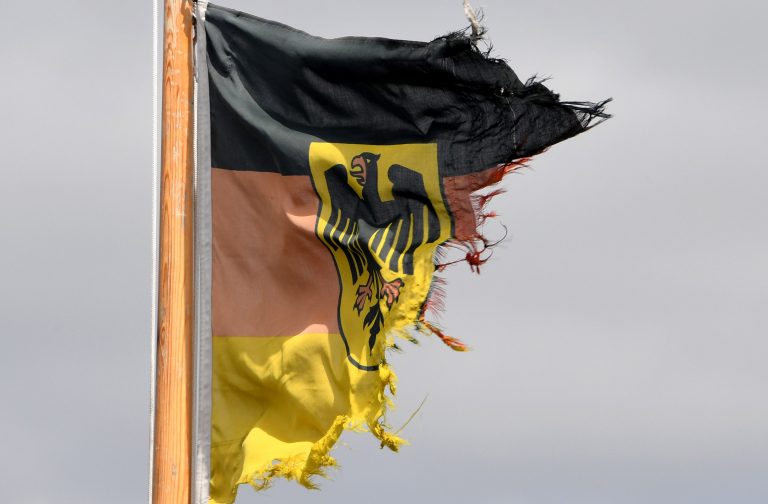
357	170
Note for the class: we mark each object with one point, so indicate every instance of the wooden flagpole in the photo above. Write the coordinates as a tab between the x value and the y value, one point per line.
171	482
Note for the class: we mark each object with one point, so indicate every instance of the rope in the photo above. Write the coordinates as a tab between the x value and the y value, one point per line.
477	29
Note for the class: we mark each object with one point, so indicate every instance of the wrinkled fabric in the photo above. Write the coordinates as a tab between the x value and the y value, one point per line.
340	169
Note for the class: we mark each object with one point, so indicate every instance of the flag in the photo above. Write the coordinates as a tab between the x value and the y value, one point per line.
336	174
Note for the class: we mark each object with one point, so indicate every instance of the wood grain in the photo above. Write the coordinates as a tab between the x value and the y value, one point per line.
172	449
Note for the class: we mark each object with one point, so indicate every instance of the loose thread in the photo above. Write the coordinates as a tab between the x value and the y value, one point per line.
477	29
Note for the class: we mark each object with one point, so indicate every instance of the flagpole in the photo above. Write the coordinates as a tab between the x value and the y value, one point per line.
175	329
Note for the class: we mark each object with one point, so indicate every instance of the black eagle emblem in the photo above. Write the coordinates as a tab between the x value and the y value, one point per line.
371	232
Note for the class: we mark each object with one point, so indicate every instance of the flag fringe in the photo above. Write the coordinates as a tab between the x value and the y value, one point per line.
533	90
477	250
589	114
302	468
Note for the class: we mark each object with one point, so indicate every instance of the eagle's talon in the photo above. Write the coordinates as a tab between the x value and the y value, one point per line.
363	292
391	291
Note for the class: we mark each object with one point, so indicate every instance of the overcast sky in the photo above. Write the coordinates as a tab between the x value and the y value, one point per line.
619	336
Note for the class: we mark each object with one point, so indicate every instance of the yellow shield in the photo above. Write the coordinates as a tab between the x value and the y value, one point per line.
381	216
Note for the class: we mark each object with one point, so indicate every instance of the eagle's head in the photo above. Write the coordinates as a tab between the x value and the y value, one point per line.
362	166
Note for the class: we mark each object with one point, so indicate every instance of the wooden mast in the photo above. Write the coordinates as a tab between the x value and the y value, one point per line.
173	400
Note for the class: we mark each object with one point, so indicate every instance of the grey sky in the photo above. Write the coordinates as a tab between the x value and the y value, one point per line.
619	336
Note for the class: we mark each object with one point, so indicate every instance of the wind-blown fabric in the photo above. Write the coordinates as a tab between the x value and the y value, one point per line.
338	169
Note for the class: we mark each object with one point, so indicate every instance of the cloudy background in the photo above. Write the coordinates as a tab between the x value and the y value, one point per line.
619	336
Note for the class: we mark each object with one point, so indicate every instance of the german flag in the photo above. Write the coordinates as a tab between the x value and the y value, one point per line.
338	170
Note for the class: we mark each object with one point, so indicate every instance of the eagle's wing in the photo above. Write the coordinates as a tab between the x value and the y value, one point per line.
420	223
342	230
